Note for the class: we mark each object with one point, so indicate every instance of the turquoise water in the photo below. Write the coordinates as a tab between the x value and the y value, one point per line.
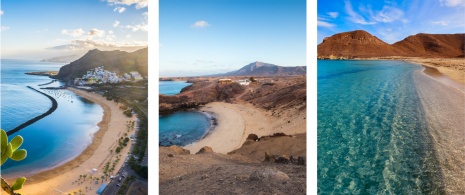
172	87
181	128
55	139
372	132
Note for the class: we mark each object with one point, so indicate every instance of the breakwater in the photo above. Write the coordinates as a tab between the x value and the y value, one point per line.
37	118
48	83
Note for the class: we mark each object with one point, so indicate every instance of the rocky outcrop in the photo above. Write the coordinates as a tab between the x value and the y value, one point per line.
205	149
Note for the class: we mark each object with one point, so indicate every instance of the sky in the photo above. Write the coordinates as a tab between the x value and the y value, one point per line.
390	20
201	37
32	29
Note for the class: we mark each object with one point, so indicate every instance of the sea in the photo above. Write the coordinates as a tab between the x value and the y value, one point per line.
55	139
183	127
372	130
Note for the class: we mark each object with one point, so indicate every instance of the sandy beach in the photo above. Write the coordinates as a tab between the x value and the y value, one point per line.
65	178
444	108
452	67
237	121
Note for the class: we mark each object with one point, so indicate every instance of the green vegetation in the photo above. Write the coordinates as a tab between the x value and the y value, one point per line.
125	185
9	150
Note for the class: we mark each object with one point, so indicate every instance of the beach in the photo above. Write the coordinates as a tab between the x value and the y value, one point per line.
444	108
237	121
65	178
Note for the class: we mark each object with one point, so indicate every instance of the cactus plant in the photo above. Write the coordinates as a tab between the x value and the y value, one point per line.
9	150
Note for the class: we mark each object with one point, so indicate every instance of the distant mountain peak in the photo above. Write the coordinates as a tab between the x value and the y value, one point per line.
258	68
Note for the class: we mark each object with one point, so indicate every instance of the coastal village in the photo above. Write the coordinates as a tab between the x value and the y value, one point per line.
101	76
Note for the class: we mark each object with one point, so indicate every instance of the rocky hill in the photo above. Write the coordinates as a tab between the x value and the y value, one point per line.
116	61
361	44
265	69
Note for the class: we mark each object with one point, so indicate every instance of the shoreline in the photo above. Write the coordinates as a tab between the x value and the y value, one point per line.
236	121
443	106
96	153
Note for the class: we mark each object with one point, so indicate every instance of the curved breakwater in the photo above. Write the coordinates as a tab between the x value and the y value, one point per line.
35	119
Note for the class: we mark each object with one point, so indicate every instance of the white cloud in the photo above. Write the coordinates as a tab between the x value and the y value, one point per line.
333	14
442	23
452	3
324	24
128	36
96	32
116	23
135	28
86	44
354	16
388	14
200	24
146	15
1	12
4	28
139	3
119	9
74	33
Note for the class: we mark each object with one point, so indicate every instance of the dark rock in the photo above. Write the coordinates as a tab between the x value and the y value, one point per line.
282	159
253	137
170	155
300	160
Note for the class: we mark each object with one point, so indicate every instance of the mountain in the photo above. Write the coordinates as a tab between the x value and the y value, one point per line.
265	69
62	59
116	61
432	45
361	44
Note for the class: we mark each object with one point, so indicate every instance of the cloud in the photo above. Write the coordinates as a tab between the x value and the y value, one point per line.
119	9
74	33
135	28
324	24
116	23
96	32
86	44
333	14
452	3
354	16
1	12
139	3
146	15
4	28
200	24
442	23
388	14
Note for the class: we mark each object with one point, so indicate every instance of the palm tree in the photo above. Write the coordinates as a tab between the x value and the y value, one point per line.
102	178
87	188
97	179
85	177
80	191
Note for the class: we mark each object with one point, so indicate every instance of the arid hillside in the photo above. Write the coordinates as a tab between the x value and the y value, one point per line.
361	44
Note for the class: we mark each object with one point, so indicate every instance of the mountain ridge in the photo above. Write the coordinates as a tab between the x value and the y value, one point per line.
116	61
258	68
361	44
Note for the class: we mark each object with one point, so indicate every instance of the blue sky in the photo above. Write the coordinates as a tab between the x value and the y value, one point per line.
32	29
391	20
199	37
